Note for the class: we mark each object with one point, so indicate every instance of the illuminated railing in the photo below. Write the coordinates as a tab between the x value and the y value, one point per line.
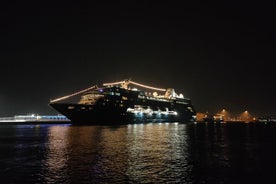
125	82
74	94
135	83
145	86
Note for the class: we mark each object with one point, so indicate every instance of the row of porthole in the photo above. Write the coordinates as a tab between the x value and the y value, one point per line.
82	108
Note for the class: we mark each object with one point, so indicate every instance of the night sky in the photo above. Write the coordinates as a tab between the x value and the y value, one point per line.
220	54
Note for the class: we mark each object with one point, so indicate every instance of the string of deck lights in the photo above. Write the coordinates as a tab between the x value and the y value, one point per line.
149	87
74	94
107	84
135	83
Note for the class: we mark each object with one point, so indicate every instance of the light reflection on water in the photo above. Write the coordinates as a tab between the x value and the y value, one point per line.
139	153
132	153
55	163
158	153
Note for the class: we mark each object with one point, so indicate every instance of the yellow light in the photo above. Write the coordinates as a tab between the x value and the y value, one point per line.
135	83
145	86
74	94
113	83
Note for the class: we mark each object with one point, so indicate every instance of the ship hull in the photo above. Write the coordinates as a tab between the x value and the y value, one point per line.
93	114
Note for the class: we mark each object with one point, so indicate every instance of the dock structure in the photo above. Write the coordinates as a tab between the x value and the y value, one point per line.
26	119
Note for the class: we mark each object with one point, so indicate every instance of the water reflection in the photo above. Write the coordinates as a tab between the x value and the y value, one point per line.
230	153
56	155
71	153
158	153
132	153
139	153
210	152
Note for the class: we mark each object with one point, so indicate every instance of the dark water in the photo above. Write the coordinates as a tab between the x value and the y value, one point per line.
149	153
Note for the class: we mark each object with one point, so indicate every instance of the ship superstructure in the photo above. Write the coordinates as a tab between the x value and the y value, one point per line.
121	102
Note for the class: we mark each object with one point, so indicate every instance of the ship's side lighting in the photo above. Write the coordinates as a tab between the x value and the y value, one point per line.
158	114
174	113
165	112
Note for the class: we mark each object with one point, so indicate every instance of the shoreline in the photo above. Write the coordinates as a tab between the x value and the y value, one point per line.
16	122
41	122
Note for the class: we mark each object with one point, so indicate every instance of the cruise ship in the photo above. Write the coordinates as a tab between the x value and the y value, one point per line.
125	102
